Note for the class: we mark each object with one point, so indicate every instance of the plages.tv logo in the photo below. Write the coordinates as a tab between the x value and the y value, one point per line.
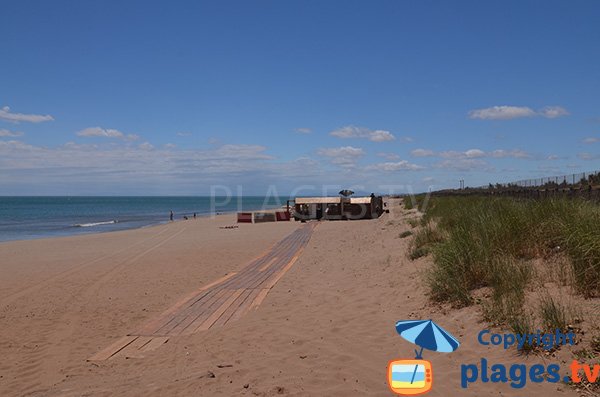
408	377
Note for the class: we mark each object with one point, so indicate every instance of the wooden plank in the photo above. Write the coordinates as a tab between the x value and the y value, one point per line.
259	298
114	348
276	276
244	307
276	267
215	316
233	308
217	282
188	318
181	315
132	349
153	325
153	344
287	250
281	262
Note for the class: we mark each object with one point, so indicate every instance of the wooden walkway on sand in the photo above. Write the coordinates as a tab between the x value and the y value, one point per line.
216	304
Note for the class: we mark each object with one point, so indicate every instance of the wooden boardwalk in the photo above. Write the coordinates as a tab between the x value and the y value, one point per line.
216	304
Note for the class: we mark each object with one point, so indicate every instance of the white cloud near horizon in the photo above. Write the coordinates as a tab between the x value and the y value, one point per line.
472	154
141	160
122	168
552	112
393	166
591	140
7	115
106	133
7	133
588	156
389	156
345	156
422	153
464	164
506	112
303	130
351	131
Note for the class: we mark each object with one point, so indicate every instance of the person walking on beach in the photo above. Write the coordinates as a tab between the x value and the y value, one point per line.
171	216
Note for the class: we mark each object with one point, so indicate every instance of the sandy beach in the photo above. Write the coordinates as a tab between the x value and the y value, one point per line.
325	329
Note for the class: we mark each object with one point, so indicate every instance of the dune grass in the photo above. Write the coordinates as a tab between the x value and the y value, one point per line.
489	242
405	234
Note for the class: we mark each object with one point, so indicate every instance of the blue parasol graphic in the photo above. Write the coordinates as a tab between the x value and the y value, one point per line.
427	335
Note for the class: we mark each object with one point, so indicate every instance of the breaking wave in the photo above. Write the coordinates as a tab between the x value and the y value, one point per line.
95	224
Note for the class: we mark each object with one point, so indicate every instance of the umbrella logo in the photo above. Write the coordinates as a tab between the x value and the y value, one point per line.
413	377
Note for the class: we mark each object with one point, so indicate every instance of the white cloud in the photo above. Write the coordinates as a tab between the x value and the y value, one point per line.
474	153
428	179
402	165
588	156
361	132
552	112
463	164
5	114
127	161
389	156
345	156
553	157
471	154
515	153
7	133
591	140
501	113
107	133
184	133
422	153
169	146
303	130
513	112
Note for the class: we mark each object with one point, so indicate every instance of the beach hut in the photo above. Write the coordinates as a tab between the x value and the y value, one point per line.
338	208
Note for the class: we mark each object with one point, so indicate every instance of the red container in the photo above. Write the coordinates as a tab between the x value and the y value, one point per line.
244	217
282	215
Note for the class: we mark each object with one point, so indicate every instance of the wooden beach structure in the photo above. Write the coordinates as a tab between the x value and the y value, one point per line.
337	208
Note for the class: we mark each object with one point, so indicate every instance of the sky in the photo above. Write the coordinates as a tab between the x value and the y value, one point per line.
262	97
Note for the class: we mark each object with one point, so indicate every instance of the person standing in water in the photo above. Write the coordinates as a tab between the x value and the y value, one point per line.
171	216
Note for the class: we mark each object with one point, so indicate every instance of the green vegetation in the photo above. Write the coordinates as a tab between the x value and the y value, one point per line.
413	222
554	314
489	243
405	234
407	201
425	238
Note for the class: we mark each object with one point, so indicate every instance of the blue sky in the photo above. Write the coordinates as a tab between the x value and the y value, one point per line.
175	97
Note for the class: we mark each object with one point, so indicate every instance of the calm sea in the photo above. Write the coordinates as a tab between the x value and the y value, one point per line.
24	218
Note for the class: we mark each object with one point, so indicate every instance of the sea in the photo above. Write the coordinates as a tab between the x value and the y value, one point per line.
24	218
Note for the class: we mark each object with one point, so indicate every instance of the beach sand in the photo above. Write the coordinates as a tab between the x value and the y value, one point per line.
326	328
